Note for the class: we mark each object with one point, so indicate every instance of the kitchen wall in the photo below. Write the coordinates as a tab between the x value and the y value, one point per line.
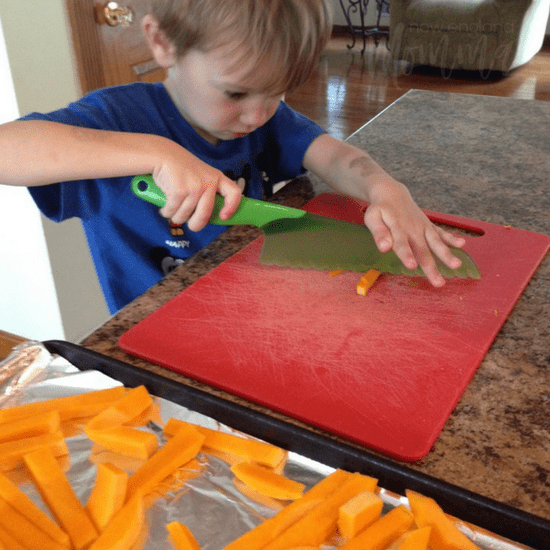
48	285
24	264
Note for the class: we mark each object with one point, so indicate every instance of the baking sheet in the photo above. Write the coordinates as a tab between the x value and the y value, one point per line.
210	504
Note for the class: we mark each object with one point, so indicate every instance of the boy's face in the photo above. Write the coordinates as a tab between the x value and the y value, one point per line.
220	102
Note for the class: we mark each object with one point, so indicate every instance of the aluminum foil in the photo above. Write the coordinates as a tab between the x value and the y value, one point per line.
209	503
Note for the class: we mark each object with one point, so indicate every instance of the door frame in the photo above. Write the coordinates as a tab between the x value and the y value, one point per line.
84	20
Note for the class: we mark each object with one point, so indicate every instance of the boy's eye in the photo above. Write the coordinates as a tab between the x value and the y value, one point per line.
235	95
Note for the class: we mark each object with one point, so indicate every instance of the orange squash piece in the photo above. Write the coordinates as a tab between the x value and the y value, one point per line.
366	281
179	450
7	542
249	449
123	411
181	536
415	540
127	441
316	526
74	406
382	532
150	414
444	534
100	455
124	529
26	507
25	531
60	498
12	452
359	512
259	536
108	495
268	483
30	427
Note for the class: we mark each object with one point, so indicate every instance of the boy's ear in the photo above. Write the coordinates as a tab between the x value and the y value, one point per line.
163	50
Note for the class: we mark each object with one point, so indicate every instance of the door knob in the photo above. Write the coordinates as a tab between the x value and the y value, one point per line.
117	15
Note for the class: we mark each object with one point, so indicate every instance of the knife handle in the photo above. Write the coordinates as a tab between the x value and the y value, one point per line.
249	211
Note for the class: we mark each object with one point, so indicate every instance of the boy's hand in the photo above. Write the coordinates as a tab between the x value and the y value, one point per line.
190	187
397	223
393	217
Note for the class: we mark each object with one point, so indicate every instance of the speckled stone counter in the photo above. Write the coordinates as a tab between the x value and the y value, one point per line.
478	157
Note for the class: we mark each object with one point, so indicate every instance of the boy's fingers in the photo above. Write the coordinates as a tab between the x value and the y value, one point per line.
179	209
390	238
441	250
451	239
173	204
202	211
427	263
232	196
409	257
380	231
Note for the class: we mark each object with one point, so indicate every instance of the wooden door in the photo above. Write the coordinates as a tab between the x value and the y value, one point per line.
109	46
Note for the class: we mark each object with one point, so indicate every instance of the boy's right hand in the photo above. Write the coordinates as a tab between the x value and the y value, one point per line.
190	188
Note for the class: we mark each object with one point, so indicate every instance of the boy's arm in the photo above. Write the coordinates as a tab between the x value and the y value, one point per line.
393	217
41	152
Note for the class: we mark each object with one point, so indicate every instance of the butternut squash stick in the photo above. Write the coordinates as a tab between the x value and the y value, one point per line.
25	531
7	542
123	411
250	449
60	498
359	512
366	281
12	452
124	529
382	532
415	540
126	441
316	526
108	494
444	534
25	506
181	536
268	483
74	406
257	538
179	450
30	427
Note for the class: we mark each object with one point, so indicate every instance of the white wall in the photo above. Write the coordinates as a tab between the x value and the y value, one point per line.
25	263
68	303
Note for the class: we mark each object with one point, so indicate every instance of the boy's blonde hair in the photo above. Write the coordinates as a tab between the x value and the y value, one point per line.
288	35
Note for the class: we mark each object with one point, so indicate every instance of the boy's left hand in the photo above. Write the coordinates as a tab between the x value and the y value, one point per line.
397	223
393	217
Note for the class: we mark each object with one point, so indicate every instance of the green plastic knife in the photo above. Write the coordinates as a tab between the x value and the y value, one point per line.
296	238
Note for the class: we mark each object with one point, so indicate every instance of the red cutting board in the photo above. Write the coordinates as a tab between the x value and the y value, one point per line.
384	370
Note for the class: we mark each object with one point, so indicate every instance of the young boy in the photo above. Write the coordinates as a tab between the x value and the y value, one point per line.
218	124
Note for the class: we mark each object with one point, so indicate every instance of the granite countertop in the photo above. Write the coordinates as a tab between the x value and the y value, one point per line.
478	157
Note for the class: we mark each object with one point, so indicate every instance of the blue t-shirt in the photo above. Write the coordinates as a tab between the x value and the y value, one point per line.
132	245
